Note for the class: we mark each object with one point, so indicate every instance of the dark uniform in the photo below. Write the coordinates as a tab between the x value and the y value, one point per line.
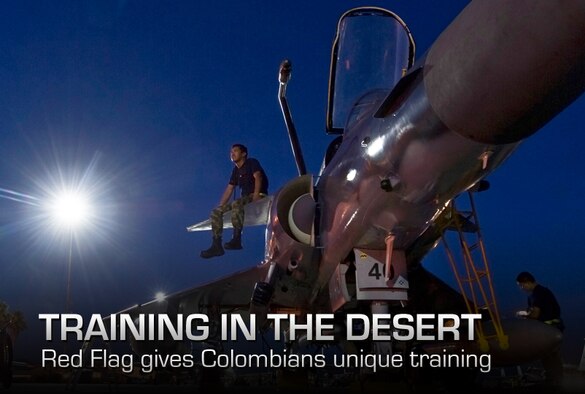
243	178
550	313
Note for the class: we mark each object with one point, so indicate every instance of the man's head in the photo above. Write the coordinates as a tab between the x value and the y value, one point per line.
526	281
238	153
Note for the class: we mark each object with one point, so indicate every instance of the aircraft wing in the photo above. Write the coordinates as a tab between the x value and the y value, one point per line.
255	214
231	291
229	294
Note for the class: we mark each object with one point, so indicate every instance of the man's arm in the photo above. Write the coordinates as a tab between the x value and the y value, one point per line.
257	185
226	194
533	313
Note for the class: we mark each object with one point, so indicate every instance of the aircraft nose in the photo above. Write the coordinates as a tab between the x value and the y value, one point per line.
529	340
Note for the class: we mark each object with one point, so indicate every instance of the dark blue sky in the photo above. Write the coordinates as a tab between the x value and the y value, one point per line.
142	99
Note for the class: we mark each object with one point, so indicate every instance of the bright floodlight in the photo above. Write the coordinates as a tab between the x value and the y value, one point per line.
160	296
71	209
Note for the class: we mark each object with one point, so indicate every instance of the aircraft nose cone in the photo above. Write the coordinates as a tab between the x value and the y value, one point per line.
528	340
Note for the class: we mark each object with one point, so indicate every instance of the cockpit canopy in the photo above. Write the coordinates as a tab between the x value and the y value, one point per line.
373	49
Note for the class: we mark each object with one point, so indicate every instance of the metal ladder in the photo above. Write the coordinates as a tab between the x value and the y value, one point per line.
472	272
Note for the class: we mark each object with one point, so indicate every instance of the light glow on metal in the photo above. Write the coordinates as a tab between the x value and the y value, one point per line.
351	174
375	147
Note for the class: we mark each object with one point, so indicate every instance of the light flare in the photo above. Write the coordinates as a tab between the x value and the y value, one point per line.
71	209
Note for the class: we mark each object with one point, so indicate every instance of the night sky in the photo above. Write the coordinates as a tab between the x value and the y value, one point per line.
139	102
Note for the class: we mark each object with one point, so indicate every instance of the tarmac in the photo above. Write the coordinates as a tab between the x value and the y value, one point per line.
571	386
498	382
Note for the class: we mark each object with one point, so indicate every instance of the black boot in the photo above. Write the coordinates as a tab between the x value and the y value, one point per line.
214	250
236	242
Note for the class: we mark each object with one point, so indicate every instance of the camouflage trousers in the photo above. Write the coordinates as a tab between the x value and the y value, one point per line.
237	208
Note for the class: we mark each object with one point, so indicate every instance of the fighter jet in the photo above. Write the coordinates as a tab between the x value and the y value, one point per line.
411	136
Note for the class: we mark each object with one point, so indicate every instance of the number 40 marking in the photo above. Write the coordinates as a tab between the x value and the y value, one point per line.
375	271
